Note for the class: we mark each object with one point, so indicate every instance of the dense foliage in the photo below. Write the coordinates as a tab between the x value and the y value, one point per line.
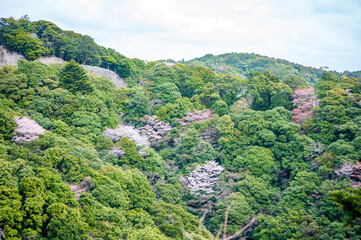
244	64
43	38
180	153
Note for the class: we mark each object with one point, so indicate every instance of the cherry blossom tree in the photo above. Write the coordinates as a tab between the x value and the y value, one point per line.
345	170
118	153
352	172
127	131
202	179
154	129
27	129
304	100
197	116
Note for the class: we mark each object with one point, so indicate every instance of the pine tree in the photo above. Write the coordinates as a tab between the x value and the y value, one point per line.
73	77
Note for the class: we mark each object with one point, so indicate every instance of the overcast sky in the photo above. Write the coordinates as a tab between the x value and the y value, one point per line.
310	32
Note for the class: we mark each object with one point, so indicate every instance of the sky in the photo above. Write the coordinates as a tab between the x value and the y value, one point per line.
313	33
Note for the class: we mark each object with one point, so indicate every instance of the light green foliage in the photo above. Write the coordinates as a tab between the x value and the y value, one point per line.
67	185
168	193
228	87
6	176
131	156
29	45
55	155
258	192
7	69
266	138
295	82
153	164
111	195
221	108
104	222
74	169
137	105
288	225
167	92
340	147
285	131
59	104
10	211
135	185
207	95
259	162
15	86
175	222
66	223
103	143
92	104
192	149
39	74
61	128
267	92
102	84
239	211
87	120
178	109
148	233
244	64
304	184
7	123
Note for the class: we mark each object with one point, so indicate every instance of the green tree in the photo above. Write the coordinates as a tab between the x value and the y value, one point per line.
73	77
7	123
350	201
259	162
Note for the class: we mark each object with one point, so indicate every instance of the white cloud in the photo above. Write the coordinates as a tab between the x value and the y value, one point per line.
311	32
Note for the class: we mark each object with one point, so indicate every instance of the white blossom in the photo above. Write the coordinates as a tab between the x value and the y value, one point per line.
126	131
118	153
202	179
155	129
345	170
27	129
196	116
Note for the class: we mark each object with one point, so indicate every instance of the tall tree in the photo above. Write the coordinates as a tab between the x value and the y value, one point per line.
73	77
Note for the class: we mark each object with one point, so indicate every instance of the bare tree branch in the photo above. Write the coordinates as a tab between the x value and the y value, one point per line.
253	219
225	221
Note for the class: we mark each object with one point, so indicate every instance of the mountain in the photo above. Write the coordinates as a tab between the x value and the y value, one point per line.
244	64
180	152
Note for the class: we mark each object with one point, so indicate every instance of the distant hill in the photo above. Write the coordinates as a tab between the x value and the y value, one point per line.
243	64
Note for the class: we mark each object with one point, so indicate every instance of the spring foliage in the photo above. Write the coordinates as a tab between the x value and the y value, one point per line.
182	152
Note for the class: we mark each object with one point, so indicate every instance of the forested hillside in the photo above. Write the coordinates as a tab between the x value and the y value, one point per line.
244	64
181	152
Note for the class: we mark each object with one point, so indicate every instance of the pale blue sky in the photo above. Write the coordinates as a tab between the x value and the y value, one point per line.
310	32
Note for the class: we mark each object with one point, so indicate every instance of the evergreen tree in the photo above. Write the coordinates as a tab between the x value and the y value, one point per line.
73	77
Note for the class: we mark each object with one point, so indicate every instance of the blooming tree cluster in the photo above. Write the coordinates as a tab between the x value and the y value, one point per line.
27	129
118	153
345	170
154	129
202	179
352	171
127	131
304	100
197	116
81	187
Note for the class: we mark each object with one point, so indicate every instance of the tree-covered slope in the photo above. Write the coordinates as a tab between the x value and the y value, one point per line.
43	38
243	64
181	152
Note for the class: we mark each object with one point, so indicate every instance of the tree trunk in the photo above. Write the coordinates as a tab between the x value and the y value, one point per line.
253	219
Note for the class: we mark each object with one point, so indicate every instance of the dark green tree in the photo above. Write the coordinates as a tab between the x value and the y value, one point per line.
73	77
